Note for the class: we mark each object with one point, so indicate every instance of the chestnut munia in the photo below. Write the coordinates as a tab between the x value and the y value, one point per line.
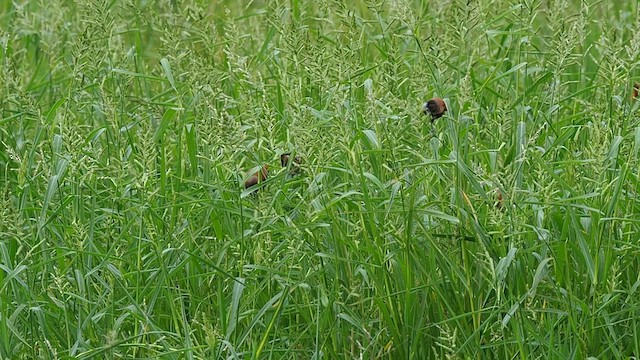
636	88
435	107
499	204
257	178
284	159
295	166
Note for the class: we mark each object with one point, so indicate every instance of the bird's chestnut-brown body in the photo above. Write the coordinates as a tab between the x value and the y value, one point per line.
499	203
257	178
435	107
636	89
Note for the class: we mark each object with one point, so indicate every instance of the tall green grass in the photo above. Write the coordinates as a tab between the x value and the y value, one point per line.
128	127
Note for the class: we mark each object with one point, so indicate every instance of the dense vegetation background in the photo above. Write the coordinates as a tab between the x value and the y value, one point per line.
128	127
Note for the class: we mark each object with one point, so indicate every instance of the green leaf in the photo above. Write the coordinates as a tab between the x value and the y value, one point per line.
167	72
373	139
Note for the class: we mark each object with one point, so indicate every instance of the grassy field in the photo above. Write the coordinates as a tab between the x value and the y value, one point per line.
508	230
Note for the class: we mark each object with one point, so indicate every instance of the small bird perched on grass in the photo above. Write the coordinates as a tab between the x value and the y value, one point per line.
434	107
257	178
636	88
295	166
499	204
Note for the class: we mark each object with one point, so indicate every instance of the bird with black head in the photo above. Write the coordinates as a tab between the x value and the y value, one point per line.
435	107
